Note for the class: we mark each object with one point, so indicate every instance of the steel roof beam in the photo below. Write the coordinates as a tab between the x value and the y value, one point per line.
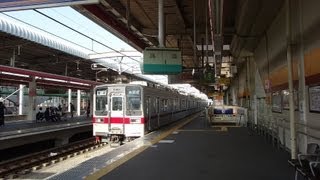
45	75
120	29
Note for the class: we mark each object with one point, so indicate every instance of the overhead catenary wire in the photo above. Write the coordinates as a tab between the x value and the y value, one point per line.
80	25
53	19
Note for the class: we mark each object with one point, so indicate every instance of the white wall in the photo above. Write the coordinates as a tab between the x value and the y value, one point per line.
276	38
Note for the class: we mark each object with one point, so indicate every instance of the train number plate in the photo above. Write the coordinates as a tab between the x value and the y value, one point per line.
116	131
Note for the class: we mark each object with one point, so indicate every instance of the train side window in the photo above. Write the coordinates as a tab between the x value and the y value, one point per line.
154	105
164	105
147	105
157	104
183	104
176	104
170	103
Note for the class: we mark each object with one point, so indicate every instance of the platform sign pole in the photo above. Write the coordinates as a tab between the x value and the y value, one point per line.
21	86
90	103
227	98
255	109
207	37
161	24
78	101
69	99
234	98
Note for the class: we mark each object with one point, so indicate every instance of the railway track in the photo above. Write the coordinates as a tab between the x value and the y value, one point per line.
23	165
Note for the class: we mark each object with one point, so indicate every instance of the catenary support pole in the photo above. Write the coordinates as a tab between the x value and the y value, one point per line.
78	102
290	81
69	99
302	82
21	86
32	99
194	35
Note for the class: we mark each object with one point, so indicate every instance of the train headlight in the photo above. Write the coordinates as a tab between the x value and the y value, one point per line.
98	120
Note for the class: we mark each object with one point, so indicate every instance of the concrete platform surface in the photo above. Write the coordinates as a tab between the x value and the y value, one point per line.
192	151
200	152
20	128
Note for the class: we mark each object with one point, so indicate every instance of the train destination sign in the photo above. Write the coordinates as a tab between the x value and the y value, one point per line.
13	5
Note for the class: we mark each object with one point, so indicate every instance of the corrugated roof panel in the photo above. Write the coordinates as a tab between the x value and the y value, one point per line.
15	29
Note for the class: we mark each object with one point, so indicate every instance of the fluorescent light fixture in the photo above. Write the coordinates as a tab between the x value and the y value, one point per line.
226	47
210	47
15	74
79	83
56	80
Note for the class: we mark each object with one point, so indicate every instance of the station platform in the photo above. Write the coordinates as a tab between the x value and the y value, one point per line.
191	150
12	126
20	132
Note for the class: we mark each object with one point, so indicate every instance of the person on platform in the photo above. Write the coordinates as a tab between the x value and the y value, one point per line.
40	115
72	109
64	110
2	108
47	114
59	108
88	110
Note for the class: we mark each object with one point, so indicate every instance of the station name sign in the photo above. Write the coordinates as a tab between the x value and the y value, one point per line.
13	5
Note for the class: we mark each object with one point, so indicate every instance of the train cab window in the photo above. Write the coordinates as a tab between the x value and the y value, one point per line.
133	101
116	103
101	102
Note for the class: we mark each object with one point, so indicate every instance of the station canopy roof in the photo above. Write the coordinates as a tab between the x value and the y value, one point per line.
121	62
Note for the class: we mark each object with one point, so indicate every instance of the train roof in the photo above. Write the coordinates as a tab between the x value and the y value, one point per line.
151	85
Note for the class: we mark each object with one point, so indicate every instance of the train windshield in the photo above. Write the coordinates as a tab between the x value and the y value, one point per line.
133	98
101	102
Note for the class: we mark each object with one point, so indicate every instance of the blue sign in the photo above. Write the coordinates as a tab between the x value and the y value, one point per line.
12	5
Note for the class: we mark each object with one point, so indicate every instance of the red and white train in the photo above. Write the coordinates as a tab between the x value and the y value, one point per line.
127	111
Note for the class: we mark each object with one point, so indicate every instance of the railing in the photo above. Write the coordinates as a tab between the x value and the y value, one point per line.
272	128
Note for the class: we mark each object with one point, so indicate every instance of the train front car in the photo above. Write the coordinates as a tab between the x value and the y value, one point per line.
118	113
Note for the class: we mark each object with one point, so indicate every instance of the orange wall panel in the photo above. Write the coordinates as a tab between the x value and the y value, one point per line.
312	67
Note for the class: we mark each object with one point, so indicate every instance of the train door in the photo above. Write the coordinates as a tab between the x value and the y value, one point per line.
117	114
158	111
148	113
153	112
